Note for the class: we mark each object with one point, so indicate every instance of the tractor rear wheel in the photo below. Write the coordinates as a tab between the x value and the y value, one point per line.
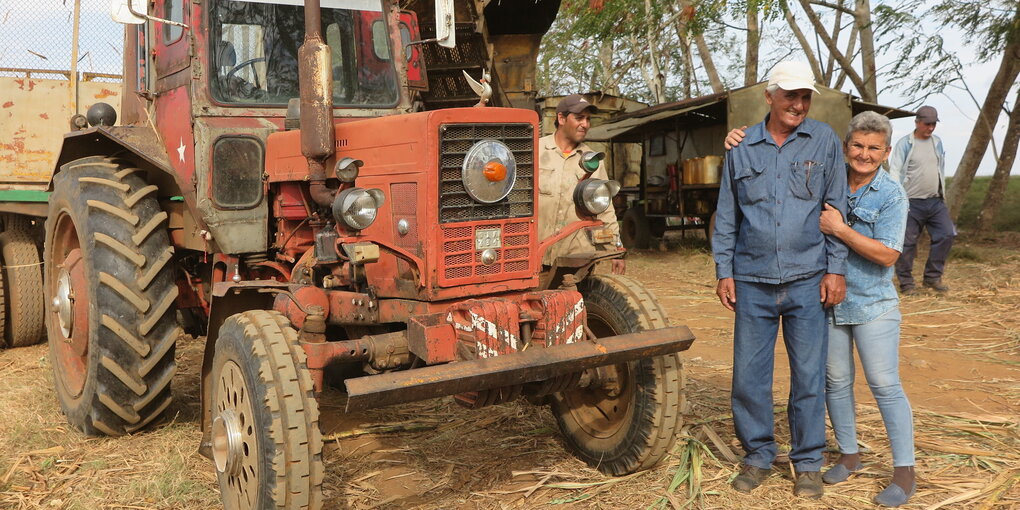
110	292
23	306
634	229
266	442
628	419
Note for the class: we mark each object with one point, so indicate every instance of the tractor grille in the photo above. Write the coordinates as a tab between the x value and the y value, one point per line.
455	141
461	260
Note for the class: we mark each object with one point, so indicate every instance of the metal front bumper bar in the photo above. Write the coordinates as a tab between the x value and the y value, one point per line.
531	365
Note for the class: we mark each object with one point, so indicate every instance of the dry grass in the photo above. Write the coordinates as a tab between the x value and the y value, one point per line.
442	456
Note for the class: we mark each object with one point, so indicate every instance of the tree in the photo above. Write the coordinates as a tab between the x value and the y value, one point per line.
864	81
997	188
999	29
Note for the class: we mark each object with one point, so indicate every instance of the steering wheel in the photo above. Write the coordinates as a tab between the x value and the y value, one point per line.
257	89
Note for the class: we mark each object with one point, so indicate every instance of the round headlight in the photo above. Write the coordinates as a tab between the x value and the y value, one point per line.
489	171
357	207
594	196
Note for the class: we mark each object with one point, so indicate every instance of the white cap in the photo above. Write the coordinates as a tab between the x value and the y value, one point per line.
793	75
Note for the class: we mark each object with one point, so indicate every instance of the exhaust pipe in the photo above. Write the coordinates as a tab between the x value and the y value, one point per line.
316	89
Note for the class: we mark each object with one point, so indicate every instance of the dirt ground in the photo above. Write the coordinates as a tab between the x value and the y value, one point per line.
960	364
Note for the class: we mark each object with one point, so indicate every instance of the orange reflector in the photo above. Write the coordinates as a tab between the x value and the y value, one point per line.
494	171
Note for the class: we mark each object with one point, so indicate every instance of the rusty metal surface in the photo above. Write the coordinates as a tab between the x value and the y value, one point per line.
532	365
34	115
486	328
432	338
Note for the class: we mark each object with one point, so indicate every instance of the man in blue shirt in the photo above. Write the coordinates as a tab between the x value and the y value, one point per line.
773	263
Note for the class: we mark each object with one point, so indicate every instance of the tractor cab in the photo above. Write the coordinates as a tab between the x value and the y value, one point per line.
253	49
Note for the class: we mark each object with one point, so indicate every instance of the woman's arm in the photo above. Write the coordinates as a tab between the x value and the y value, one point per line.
832	223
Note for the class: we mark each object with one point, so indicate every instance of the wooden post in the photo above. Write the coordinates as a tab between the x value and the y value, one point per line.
74	57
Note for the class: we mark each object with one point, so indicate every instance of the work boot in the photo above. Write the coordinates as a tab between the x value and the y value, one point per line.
808	485
749	478
936	285
908	290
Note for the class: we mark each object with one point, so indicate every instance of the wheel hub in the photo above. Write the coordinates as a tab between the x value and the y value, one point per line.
227	445
69	304
63	302
602	406
235	442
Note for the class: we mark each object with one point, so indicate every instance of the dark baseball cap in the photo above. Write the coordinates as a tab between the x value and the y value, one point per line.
927	115
575	103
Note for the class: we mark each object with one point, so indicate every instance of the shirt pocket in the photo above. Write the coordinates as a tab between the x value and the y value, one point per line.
546	182
806	179
751	185
863	220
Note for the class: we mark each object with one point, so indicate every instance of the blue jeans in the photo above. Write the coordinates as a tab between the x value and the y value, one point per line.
759	309
930	213
878	345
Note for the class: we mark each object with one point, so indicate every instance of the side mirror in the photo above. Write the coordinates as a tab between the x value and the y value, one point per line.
446	30
128	12
417	78
134	12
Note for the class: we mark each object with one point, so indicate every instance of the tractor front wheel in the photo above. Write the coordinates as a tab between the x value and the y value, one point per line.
626	420
266	442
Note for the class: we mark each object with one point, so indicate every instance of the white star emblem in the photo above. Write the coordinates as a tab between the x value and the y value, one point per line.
180	150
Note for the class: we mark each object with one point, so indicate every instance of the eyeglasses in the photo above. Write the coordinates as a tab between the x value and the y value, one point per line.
873	149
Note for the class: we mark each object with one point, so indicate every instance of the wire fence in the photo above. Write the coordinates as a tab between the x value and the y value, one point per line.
36	39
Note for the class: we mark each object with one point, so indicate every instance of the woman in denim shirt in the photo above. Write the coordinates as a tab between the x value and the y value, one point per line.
869	317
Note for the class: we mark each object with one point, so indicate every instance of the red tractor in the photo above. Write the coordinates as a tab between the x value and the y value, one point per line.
291	201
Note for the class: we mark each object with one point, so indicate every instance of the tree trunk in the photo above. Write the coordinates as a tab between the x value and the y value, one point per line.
804	43
837	26
751	53
706	59
862	16
975	151
689	10
997	188
657	80
849	51
844	62
605	76
683	32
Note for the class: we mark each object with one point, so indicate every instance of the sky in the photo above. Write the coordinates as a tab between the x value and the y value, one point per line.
46	29
958	112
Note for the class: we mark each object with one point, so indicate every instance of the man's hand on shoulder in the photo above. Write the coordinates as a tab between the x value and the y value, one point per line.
734	137
833	289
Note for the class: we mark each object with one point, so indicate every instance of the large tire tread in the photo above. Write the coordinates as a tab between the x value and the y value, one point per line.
132	324
289	400
25	311
660	380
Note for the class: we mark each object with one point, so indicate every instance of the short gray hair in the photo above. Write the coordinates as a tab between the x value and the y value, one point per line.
870	122
771	89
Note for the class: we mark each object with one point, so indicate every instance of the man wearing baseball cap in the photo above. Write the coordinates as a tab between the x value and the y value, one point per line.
774	266
559	172
919	161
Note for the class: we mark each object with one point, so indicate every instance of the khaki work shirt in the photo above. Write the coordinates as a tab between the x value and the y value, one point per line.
558	176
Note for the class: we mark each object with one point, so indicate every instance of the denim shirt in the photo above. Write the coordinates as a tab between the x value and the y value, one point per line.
770	199
877	210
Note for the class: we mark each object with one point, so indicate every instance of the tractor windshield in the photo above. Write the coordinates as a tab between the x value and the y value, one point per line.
255	51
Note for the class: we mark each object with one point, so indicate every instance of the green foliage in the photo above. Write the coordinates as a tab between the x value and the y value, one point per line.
1008	219
569	58
991	24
